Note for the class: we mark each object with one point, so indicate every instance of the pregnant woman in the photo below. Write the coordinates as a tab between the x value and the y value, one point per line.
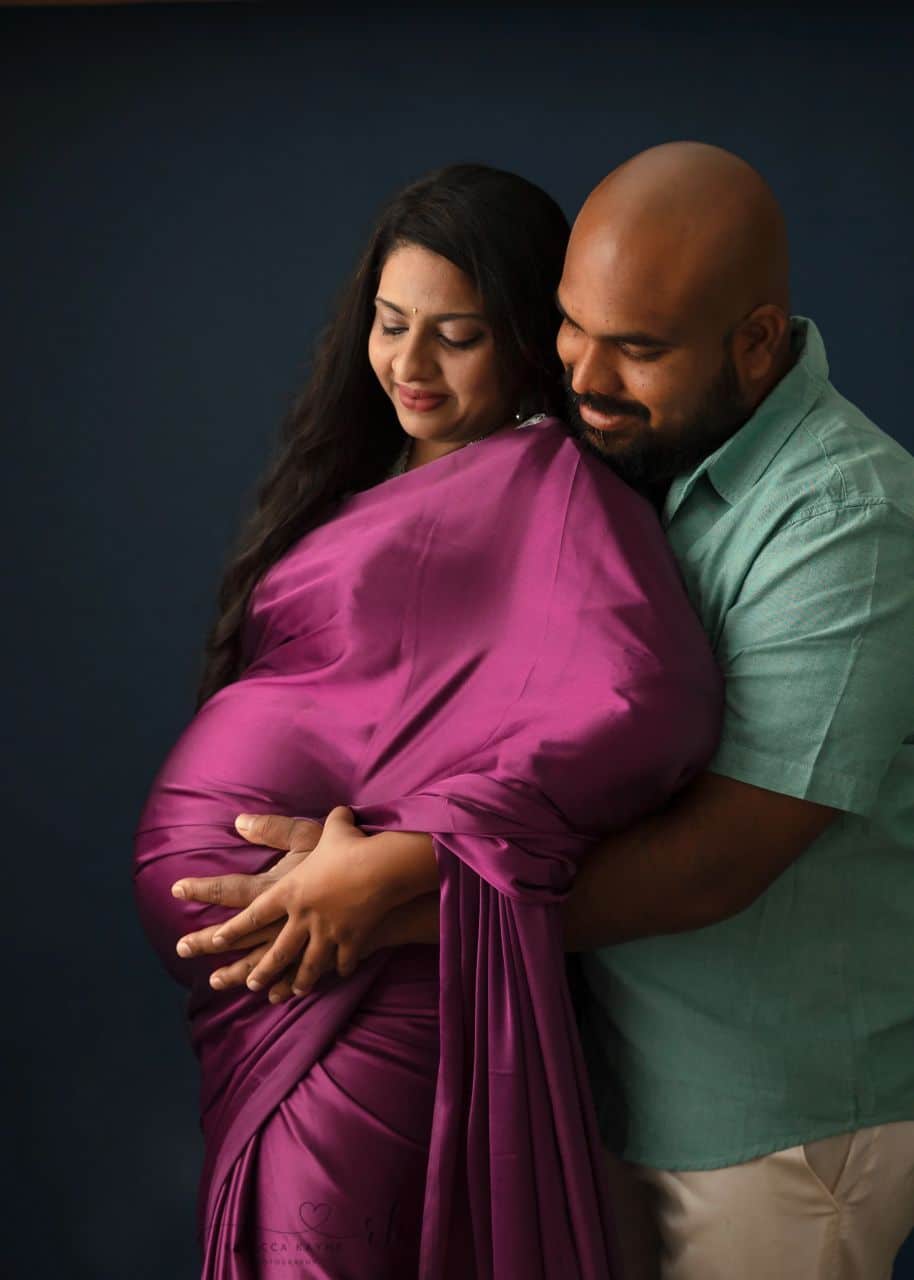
450	619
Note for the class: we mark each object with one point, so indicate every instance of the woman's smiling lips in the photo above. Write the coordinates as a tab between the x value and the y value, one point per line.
418	401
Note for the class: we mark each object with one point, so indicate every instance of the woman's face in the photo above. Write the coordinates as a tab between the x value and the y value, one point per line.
433	352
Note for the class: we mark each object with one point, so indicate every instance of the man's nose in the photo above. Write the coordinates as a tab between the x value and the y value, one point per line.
414	361
595	371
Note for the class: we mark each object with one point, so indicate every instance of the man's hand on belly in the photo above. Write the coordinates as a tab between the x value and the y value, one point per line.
297	837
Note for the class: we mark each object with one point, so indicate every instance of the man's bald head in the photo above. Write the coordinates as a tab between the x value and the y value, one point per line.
694	219
676	297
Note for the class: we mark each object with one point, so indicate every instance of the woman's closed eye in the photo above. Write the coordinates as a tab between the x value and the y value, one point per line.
459	344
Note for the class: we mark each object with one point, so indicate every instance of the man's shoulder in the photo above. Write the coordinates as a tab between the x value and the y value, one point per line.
836	488
839	460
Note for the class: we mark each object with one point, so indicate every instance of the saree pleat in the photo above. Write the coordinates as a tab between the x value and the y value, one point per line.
344	1100
495	649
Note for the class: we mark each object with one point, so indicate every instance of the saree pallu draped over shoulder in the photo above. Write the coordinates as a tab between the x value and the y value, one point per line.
495	648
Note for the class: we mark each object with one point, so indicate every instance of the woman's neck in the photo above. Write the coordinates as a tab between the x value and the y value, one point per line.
422	451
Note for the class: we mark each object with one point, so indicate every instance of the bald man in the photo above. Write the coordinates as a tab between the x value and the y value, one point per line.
748	951
751	1027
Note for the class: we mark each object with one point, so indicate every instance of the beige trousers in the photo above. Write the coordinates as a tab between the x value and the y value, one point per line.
836	1209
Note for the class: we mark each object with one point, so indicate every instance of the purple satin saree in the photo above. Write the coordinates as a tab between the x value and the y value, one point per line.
495	648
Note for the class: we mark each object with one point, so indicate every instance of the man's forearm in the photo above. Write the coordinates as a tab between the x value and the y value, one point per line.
638	883
616	897
708	856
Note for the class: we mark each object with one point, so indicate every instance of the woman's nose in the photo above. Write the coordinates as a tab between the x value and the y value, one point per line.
414	360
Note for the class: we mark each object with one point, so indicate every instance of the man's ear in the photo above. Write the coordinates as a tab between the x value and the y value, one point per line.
757	348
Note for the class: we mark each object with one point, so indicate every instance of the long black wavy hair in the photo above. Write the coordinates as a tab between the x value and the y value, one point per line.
341	433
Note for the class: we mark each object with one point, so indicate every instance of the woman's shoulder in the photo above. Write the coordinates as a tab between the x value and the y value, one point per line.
542	423
542	437
559	445
531	445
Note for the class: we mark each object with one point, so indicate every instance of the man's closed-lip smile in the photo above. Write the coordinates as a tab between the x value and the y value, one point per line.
605	421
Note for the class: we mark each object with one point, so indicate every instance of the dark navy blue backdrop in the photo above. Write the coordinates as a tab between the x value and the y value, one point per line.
185	188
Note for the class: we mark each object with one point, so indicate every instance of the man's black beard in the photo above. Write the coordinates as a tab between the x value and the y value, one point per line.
651	459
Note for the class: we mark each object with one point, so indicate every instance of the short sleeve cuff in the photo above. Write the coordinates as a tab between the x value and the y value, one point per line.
790	778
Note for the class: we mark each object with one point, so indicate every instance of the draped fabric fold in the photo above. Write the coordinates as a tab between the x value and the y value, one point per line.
496	649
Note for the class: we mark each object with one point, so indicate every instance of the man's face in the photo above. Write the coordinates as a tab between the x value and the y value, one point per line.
652	388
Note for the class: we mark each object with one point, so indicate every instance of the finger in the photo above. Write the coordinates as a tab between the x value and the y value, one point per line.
277	832
342	818
288	862
318	958
267	907
290	942
234	975
201	942
282	990
347	959
221	891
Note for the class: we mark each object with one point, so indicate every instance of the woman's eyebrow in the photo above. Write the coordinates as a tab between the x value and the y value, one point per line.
443	315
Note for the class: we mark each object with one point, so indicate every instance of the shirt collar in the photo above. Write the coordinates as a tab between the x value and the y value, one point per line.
742	460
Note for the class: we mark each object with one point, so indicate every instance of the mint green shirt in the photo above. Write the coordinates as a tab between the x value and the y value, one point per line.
794	1019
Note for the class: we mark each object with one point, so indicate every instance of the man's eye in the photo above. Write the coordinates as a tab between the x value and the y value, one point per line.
641	354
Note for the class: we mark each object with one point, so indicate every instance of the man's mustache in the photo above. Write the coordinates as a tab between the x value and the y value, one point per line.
609	406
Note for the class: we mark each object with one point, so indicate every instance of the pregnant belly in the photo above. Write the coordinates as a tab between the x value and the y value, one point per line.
257	746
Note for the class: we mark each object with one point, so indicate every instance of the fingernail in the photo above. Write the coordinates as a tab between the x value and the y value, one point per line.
218	939
274	997
215	980
299	991
177	890
183	949
243	821
254	985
